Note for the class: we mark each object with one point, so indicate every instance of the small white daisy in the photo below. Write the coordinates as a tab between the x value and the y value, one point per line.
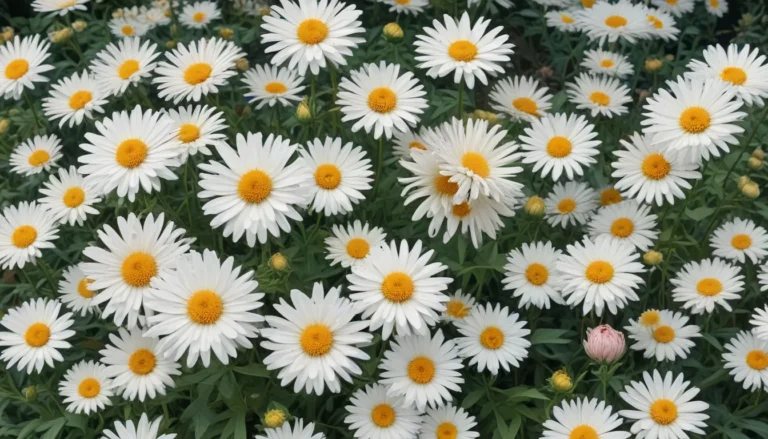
35	155
374	413
747	360
21	64
609	195
69	198
59	7
298	431
667	339
125	63
427	182
126	27
86	388
475	218
718	8
197	128
570	203
351	244
409	141
155	17
662	25
75	291
25	230
198	15
760	321
599	94
414	7
532	273
607	63
584	419
142	430
521	97
74	98
448	422
609	22
563	20
702	285
745	70
627	221
740	239
458	307
678	8
267	84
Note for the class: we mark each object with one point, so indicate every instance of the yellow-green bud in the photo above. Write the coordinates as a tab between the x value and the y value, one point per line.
170	44
743	180
652	257
79	25
754	163
4	125
274	418
7	33
278	262
758	153
60	36
226	33
241	64
30	393
303	113
561	381
669	57
535	206
653	64
393	32
751	190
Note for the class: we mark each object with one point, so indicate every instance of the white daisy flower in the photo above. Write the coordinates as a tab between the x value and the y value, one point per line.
702	285
21	64
740	239
69	198
203	306
599	94
718	8
448	422
125	63
396	289
607	63
267	84
409	141
127	27
423	369
627	221
86	388
350	245
664	407
298	431
521	97
254	191
477	217
75	291
678	8
743	69
198	15
155	17
35	155
609	22
747	360
760	320
196	69
142	430
312	32
532	273
197	128
414	7
131	151
463	49
135	254
59	7
662	25
666	340
563	20
560	144
25	230
609	195
74	98
570	203
458	307
600	273
584	419
374	413
428	183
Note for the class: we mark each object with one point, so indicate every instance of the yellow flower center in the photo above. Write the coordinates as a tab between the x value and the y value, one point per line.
583	432
189	132
402	2
610	196
566	206
421	370
461	210
131	153
446	430
358	248
537	274
397	287
328	176
476	163
714	3
197	73
417	145
559	147
312	31
709	287
254	186
655	166
615	21
127	30
316	340
663	411
24	236
757	360
16	68
383	415
37	335
741	241
38	157
462	50
622	227
444	186
600	98
567	19
695	120
275	88
73	197
142	362
650	318
199	17
79	99
671	2
664	334
274	418
205	307
588	3
457	309
606	63
658	24
89	388
82	288
526	105
138	269
492	338
382	100
599	272
127	68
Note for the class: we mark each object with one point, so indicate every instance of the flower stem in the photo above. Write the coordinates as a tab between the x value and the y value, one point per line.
378	166
34	112
460	105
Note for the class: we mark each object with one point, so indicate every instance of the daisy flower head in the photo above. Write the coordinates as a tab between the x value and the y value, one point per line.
607	63
21	64
69	198
667	339
341	171
563	20
311	33
473	218
155	17
465	50
609	195
123	64
760	321
649	173
423	369
744	69
747	360
127	27
611	22
627	221
718	8
270	85
740	239
493	338
315	341
703	285
599	95
662	25
197	128
25	231
584	418
697	119
448	421
142	430
396	288
521	97
427	182
254	191
135	254
35	155
351	244
599	274
531	272
410	141
131	151
86	388
297	431
59	7
74	98
458	307
196	69
560	144
678	8
414	7
75	292
203	306
664	407
570	203
198	15
374	412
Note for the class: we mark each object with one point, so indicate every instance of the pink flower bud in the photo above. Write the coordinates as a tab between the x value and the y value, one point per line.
604	344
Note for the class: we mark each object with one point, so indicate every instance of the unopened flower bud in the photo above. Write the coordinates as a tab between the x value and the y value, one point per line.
755	163
30	393
4	125
546	72
226	33
303	112
170	44
265	10
60	36
117	13
535	206
278	262
274	418
669	57
8	33
561	381
604	344
393	32
653	258
743	180
79	25
241	64
758	153
751	190
653	64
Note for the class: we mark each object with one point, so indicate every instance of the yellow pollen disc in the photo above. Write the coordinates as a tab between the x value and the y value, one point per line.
757	360
615	21
358	248
131	153
254	186
328	176
38	157
663	411
73	197
567	19
37	335
476	163
610	196
382	100
197	73
462	50
655	166
82	288
24	236
205	307
138	269
709	287
566	206
714	3
275	88
397	287
606	63
622	227
658	24
312	31
199	17
127	68
599	272
588	3
189	132
444	186
650	318
383	415
671	2
583	432
417	145
600	98
89	388
79	99
446	430
695	120
421	370
537	274
492	338
664	334
559	147
402	2
526	105
456	309
316	340
127	30
741	241
461	210
16	68
142	362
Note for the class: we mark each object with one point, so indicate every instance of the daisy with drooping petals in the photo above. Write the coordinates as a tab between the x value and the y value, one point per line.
609	22
254	191
747	360
25	230
59	7
135	254
423	369
75	292
315	341
414	7
267	84
125	27
463	49
743	69
131	151
667	339
156	16
458	307
311	33
600	274
410	141
740	239
374	413
678	8
474	218
198	128
609	195
607	63
627	221
563	20
125	63
560	144
74	98
664	407
570	203
69	198
298	431
396	288
86	388
198	15
203	306
662	25
37	154
350	245
448	422
21	65
532	273
196	69
521	97
718	8
702	285
427	182
599	94
584	419
142	430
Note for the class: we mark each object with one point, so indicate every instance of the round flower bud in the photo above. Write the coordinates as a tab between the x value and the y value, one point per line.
535	206
226	33
79	25
652	257
754	163
393	32
170	44
604	344
278	262
653	64
30	393
561	381
274	418
743	180
4	125
303	112
241	64
751	190
60	36
758	153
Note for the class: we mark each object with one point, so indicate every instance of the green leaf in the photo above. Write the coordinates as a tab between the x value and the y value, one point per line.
254	370
699	213
525	393
472	398
549	336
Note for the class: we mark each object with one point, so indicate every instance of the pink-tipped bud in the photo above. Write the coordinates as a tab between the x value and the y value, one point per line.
604	344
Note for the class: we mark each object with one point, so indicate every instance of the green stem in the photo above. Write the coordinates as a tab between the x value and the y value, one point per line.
34	112
378	166
460	105
29	280
47	273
